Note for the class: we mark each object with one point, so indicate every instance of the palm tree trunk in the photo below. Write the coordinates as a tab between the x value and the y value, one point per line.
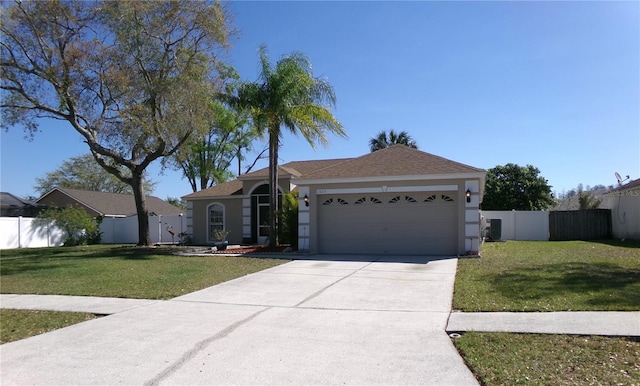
273	188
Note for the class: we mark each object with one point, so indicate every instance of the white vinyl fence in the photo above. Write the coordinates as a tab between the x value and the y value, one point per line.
21	232
124	230
520	225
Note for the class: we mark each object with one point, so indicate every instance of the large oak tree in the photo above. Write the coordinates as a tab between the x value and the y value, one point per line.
84	173
131	77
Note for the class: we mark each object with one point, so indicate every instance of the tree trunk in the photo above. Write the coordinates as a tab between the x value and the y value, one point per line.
144	237
273	189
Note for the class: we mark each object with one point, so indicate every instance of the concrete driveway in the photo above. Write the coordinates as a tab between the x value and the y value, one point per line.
341	320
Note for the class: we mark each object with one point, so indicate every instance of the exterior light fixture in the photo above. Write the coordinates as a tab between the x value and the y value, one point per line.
306	200
468	193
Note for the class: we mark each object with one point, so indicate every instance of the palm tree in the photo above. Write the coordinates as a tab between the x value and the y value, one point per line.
289	96
382	141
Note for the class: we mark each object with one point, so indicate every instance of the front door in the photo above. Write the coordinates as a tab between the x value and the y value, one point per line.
263	223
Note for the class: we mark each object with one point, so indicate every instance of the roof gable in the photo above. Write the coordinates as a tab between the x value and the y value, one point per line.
115	204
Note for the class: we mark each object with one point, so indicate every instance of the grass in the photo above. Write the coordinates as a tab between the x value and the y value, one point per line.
527	359
104	270
20	324
120	271
550	276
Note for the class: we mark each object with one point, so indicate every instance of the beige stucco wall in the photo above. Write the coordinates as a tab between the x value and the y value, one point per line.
625	213
233	212
232	219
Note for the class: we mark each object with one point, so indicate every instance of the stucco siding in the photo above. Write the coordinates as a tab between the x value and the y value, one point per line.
232	219
625	213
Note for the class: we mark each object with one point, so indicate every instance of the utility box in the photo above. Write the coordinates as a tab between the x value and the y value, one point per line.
495	229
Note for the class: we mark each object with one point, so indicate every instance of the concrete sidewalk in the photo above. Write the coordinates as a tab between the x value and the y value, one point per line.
90	304
616	323
577	323
304	322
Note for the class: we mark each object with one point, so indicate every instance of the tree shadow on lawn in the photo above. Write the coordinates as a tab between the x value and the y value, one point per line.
604	285
633	244
40	260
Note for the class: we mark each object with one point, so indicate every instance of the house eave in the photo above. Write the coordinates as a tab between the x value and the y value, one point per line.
208	198
422	177
258	178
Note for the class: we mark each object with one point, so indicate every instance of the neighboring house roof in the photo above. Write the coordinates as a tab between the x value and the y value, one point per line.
13	206
629	185
113	204
397	160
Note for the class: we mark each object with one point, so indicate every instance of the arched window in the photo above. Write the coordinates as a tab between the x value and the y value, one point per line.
215	219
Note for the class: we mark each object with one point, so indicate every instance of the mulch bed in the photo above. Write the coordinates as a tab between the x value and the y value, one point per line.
252	249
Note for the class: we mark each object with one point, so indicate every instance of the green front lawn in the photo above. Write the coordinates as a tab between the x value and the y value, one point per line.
120	271
530	359
550	276
104	270
20	324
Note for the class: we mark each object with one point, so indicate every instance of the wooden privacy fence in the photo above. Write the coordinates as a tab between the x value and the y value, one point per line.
589	224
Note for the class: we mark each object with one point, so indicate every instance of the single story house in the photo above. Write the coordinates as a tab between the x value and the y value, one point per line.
624	203
105	204
397	200
14	206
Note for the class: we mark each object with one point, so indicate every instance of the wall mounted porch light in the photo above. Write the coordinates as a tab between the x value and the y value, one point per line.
468	194
306	200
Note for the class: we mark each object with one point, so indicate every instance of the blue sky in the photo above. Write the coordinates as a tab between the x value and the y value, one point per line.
551	84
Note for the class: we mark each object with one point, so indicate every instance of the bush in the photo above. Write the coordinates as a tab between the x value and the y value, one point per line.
288	232
80	228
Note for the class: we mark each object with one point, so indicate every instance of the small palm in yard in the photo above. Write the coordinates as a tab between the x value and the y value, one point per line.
288	96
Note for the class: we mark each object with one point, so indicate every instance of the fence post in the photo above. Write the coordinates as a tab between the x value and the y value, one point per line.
19	231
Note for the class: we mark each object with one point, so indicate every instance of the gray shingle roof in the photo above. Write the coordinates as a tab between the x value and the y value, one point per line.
225	189
295	169
12	206
397	160
116	204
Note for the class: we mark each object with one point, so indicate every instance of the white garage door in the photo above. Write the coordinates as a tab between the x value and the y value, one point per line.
390	223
